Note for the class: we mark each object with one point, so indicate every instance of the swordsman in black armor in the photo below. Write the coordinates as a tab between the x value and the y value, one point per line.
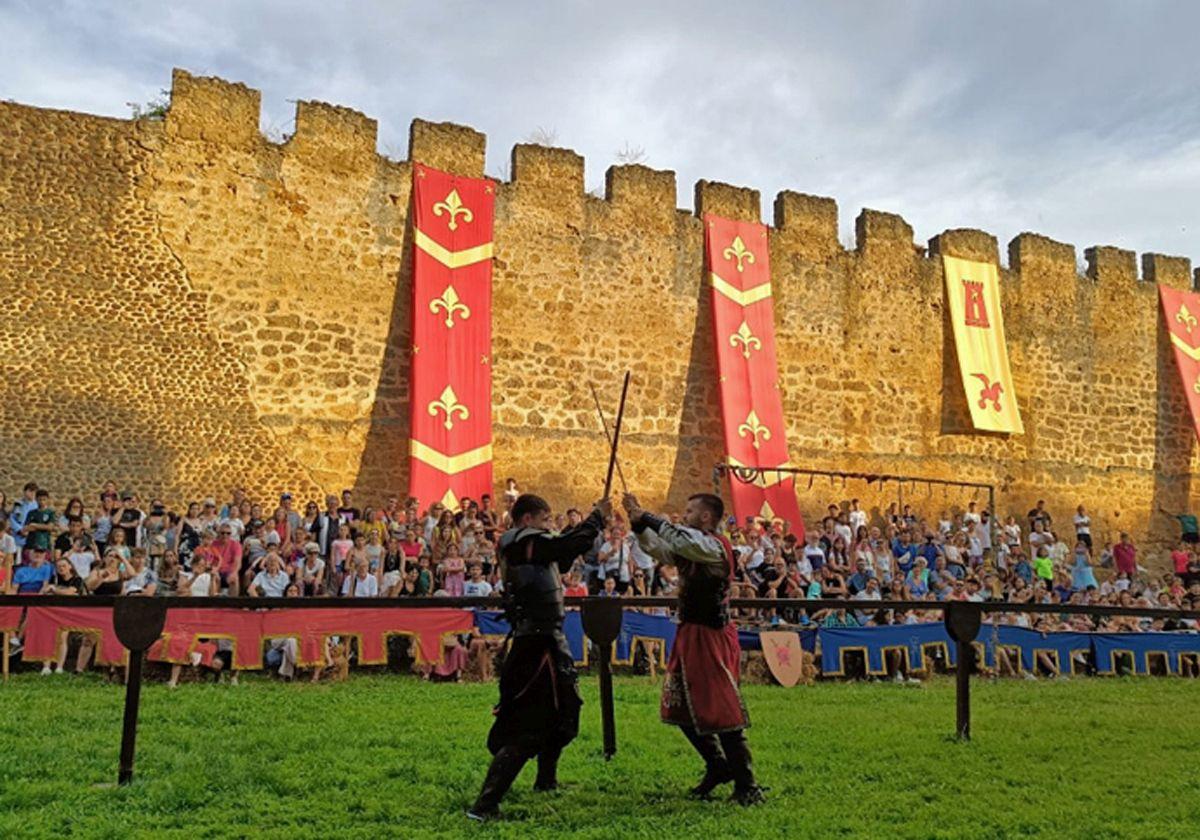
700	692
538	712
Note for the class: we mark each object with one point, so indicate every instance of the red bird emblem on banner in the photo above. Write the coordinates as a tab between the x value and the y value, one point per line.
990	391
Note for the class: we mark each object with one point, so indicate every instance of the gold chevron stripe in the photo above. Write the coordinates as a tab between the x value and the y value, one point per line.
1191	352
451	464
452	259
741	298
766	479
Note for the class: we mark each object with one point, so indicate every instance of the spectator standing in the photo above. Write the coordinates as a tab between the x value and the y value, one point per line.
21	509
128	518
1083	527
1082	576
1125	556
39	524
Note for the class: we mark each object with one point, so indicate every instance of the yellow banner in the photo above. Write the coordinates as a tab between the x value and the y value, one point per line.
973	293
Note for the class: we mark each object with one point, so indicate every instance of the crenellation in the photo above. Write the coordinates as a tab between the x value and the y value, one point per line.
1169	271
213	110
549	178
1034	253
726	200
333	137
447	146
650	193
966	243
291	269
809	223
882	234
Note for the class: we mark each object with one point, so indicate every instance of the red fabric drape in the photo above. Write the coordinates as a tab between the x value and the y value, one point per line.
44	624
10	617
739	268
1181	309
451	381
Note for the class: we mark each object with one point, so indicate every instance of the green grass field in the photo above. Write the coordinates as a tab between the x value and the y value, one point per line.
389	756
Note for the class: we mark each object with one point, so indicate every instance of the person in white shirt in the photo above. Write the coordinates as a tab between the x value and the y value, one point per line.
1083	526
858	517
81	557
843	528
272	581
971	516
361	584
615	557
476	586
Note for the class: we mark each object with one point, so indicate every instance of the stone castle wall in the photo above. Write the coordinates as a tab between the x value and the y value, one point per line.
190	305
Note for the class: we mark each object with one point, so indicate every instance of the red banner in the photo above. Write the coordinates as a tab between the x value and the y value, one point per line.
1181	309
10	618
43	625
247	630
451	381
747	374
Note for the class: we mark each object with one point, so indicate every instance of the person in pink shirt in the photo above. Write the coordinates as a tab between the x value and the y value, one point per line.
229	564
1180	558
1125	555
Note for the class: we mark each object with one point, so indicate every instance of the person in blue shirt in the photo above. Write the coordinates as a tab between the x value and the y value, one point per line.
34	577
16	517
858	581
904	552
930	550
1023	569
1082	575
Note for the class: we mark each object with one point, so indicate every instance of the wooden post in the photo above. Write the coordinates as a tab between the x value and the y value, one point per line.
4	667
133	696
962	619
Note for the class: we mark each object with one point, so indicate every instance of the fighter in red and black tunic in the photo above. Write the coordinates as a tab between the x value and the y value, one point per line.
538	712
700	694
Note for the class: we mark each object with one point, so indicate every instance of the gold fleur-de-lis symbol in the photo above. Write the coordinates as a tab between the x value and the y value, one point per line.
747	339
1196	385
1185	317
453	205
449	403
754	429
737	250
450	302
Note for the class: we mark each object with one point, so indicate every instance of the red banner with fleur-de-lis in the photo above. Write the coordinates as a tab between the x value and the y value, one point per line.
739	271
451	380
1181	309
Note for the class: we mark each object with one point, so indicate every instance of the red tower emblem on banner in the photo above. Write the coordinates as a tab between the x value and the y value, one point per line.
974	305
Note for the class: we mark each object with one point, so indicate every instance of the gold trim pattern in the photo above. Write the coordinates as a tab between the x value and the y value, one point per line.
753	428
453	206
450	464
452	259
738	296
1191	352
451	303
448	403
746	338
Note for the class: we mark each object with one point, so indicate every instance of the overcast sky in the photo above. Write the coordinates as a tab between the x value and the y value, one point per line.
1080	121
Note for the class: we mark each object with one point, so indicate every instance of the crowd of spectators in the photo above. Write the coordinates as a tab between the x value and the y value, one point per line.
118	543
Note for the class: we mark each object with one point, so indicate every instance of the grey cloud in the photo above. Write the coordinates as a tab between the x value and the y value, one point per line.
1073	119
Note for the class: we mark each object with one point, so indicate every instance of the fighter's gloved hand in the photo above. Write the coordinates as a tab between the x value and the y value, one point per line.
604	506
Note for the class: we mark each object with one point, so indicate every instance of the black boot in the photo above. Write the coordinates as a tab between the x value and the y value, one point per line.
737	753
716	768
547	775
506	766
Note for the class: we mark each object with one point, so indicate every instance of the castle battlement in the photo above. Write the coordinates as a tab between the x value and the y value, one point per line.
270	337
